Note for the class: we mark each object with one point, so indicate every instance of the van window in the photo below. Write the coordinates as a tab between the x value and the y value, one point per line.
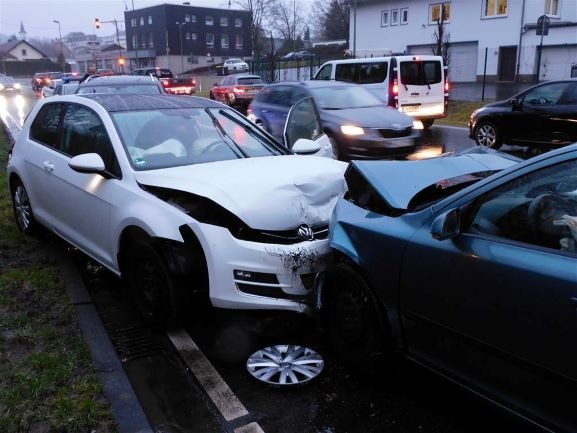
421	73
324	73
362	73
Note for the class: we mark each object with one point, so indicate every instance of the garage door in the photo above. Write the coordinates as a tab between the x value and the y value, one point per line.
556	62
463	63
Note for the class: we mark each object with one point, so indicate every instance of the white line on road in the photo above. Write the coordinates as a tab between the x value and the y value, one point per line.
216	388
253	427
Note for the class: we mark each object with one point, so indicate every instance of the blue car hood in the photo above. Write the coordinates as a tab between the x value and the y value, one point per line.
397	182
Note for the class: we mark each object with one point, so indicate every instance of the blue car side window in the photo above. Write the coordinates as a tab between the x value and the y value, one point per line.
539	208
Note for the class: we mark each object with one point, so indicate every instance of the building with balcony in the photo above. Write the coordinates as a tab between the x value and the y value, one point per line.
184	37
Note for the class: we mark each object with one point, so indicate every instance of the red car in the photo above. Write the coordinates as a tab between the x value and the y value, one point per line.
238	90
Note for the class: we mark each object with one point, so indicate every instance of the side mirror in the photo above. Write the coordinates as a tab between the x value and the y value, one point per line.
305	147
447	225
88	163
515	103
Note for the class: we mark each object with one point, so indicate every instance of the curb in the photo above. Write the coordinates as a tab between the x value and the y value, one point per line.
126	408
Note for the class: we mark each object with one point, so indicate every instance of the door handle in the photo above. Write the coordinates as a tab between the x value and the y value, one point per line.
48	166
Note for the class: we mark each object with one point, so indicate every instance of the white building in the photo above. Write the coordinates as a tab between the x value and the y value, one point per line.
495	37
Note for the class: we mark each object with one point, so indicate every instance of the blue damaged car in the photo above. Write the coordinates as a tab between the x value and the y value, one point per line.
466	264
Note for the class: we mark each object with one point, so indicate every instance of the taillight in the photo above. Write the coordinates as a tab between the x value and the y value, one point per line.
164	83
395	87
446	85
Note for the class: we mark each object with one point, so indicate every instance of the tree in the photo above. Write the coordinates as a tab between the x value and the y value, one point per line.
287	18
442	38
331	19
258	10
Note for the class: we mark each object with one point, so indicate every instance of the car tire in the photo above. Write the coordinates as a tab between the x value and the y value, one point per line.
356	327
427	123
151	284
487	135
22	208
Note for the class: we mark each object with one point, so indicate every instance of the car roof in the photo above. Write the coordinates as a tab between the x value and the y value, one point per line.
135	102
107	80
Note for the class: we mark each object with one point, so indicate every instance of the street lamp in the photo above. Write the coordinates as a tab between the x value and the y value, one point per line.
61	49
179	24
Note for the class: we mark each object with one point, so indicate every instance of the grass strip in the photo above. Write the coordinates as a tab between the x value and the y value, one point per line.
47	381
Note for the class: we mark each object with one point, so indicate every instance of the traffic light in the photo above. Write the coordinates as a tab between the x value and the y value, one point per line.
97	23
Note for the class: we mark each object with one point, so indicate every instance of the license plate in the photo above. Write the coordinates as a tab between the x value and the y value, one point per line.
410	108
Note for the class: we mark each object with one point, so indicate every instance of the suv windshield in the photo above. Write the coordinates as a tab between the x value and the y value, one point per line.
421	73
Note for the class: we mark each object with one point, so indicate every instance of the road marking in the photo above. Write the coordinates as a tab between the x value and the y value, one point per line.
221	395
253	427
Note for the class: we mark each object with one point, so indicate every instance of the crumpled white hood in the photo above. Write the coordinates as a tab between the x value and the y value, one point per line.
268	193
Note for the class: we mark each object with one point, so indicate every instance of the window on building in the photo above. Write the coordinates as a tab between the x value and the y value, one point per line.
187	18
149	19
404	15
187	36
141	21
208	20
238	42
552	8
238	22
142	41
193	36
495	8
150	40
24	53
394	17
210	40
435	11
132	22
193	18
224	41
224	21
134	41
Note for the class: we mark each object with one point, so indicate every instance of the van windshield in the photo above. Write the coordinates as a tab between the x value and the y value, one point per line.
421	73
362	73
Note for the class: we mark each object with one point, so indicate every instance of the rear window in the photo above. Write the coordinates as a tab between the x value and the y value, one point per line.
250	80
362	73
421	73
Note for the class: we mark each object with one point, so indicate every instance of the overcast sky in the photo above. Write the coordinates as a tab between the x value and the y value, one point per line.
74	15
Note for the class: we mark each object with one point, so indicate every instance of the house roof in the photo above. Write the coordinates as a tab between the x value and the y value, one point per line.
9	46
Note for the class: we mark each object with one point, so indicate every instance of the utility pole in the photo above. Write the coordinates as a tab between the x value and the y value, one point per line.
97	23
179	24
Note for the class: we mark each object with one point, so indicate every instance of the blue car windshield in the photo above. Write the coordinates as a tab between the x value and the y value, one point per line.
343	97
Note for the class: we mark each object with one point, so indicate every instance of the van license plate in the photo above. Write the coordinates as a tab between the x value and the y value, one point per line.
409	108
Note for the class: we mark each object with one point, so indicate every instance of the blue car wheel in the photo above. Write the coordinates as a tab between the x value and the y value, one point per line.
356	327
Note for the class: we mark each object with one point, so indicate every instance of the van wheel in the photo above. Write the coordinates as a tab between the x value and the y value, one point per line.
427	123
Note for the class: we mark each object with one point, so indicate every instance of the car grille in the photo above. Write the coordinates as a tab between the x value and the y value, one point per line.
283	237
395	133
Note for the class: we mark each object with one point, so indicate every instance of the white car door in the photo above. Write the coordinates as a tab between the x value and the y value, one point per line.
79	203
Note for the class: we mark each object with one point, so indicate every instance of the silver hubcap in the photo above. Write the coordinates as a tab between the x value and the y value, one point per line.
486	136
22	207
285	365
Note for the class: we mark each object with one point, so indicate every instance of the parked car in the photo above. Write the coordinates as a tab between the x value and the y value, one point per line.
61	89
51	79
542	116
180	85
235	65
237	90
70	77
468	265
184	197
298	55
359	125
120	84
9	85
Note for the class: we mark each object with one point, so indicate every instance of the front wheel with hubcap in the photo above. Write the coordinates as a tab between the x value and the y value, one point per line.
486	135
151	284
23	210
357	331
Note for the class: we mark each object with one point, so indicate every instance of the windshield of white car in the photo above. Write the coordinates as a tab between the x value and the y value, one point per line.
166	138
344	97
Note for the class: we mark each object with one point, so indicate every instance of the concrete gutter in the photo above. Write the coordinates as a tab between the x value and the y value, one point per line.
125	406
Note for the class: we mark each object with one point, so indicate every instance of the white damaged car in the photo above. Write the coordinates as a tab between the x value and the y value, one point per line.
183	197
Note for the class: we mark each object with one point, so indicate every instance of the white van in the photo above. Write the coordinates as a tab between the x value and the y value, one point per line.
416	85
